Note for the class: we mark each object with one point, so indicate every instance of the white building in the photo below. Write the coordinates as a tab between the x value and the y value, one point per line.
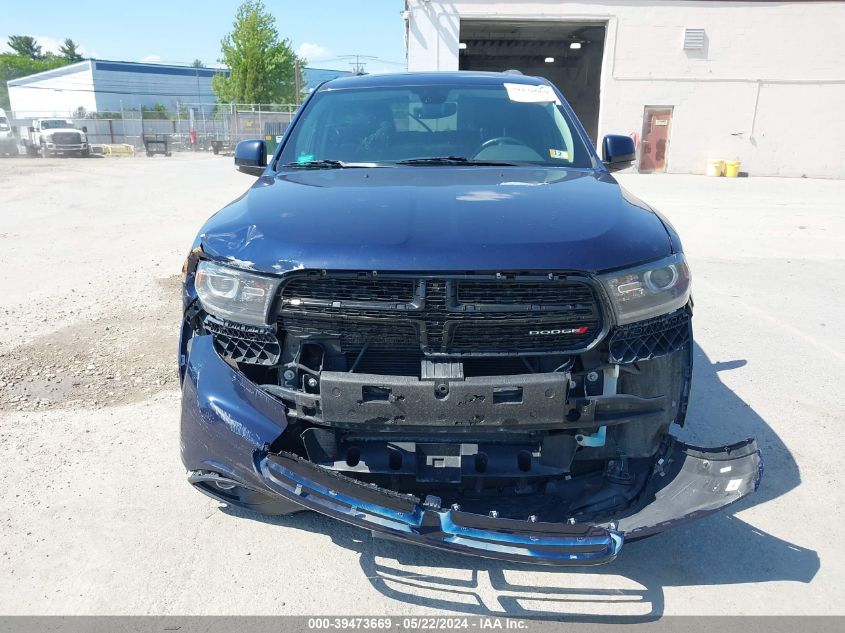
98	85
760	81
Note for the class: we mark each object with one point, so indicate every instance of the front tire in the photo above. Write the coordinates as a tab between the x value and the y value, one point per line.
45	153
84	153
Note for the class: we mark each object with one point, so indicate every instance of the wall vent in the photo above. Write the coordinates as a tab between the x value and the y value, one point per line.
693	39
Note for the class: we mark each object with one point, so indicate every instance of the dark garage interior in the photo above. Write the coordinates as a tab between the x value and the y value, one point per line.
569	54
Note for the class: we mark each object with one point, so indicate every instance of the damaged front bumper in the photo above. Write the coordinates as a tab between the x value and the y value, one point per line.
229	426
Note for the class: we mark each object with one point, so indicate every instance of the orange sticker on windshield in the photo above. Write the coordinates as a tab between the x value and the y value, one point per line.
559	154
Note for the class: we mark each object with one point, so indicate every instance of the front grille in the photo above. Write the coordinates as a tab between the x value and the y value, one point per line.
651	338
446	316
244	343
381	334
66	138
526	335
524	293
338	289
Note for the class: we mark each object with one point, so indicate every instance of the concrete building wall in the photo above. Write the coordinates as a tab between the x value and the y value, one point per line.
768	88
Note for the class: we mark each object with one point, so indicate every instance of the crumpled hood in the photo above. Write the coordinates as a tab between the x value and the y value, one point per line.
436	219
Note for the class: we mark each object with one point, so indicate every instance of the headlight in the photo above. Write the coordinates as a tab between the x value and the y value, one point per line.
235	294
648	290
48	138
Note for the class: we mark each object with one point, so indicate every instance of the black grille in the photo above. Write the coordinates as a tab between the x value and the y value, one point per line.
244	343
550	292
524	335
435	315
387	362
382	334
443	316
66	138
650	338
340	289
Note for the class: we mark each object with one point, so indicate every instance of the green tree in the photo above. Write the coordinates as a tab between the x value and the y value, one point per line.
262	65
26	46
70	51
197	63
158	111
13	66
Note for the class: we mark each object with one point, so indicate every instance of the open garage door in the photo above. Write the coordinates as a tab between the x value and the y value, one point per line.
569	54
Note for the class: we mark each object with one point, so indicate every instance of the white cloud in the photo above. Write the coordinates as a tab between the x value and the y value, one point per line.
151	59
314	52
48	44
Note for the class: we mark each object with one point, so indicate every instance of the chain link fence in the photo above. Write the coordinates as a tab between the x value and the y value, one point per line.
187	128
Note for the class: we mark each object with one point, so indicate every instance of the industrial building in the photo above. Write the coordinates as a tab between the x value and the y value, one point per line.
97	85
757	80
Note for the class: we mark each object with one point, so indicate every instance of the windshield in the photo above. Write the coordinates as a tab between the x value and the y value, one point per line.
4	123
506	123
52	124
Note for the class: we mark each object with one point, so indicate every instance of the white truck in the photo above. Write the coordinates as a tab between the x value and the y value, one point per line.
8	141
54	137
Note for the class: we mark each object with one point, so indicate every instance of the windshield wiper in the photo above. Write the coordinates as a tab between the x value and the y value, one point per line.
453	160
330	164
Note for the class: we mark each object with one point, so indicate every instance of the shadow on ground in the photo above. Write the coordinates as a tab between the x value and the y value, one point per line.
718	550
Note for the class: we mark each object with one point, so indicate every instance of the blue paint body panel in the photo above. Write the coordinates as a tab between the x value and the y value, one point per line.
436	219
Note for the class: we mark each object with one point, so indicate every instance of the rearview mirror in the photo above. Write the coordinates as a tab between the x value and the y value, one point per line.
436	110
251	157
618	152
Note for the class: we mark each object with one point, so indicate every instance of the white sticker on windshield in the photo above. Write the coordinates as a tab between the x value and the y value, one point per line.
524	93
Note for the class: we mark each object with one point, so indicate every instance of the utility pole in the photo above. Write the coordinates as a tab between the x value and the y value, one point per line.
199	101
122	121
357	65
297	80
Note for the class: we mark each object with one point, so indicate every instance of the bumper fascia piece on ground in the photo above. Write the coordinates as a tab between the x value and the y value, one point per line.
229	426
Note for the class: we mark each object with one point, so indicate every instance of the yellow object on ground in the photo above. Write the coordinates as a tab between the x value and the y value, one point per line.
118	149
732	168
715	167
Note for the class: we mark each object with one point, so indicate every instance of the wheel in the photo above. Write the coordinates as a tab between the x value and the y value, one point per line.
85	153
31	151
45	153
149	154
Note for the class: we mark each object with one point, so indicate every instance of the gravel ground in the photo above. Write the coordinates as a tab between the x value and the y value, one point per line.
96	517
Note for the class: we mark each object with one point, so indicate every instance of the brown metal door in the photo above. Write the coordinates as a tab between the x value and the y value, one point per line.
657	121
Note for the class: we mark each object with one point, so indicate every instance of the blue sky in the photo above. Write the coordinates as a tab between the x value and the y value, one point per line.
168	32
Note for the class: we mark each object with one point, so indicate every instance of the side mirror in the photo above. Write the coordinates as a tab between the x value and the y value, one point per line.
618	152
85	129
31	128
251	157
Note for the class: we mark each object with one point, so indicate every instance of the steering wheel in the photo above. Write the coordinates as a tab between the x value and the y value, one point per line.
498	140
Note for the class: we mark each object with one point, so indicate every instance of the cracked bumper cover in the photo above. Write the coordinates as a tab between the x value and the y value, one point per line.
228	424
